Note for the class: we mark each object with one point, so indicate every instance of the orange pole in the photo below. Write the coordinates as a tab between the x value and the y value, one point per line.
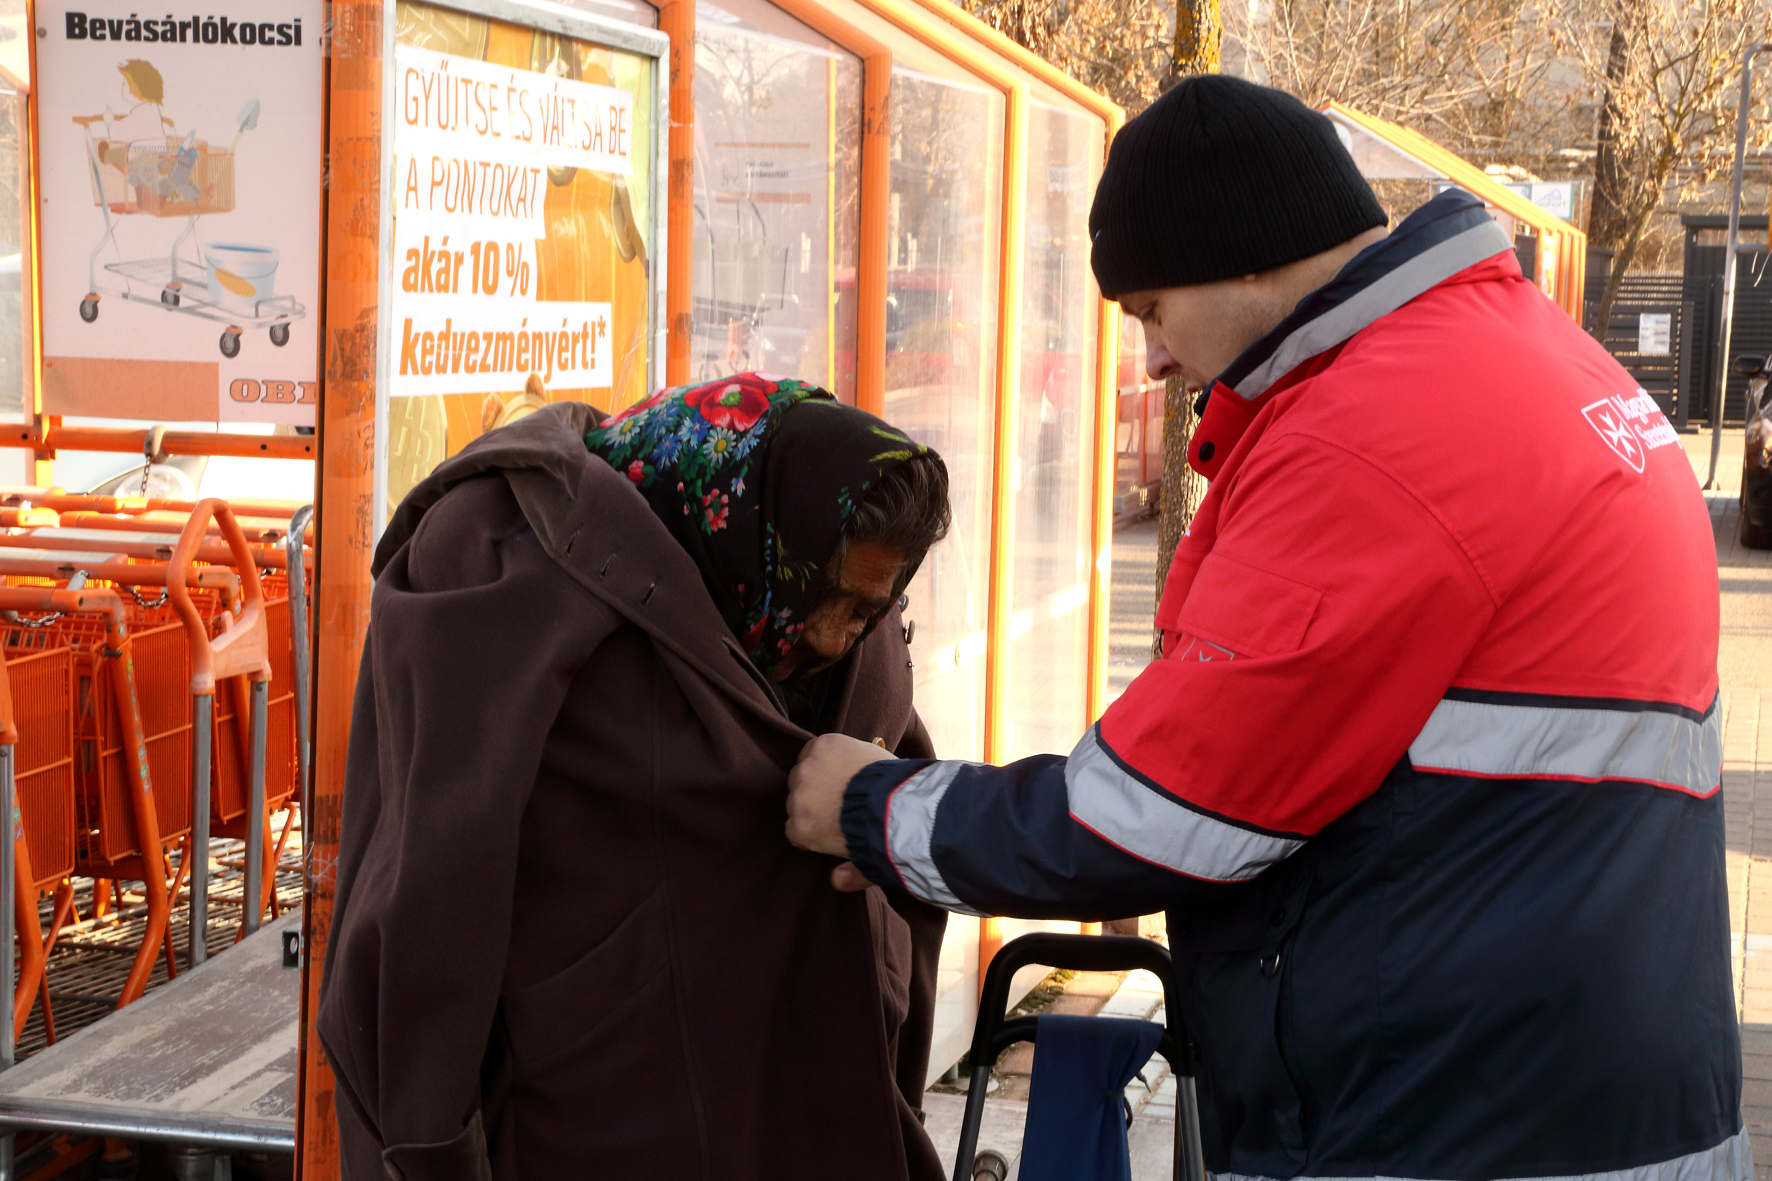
41	463
345	506
676	19
876	195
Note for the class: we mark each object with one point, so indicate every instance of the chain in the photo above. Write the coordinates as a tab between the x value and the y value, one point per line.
165	593
45	621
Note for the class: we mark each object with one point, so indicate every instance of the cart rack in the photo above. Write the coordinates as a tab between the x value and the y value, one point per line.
129	1075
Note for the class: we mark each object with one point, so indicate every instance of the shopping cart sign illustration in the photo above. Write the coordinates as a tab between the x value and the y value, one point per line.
174	176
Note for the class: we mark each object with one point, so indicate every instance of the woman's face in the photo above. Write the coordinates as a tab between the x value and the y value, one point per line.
870	572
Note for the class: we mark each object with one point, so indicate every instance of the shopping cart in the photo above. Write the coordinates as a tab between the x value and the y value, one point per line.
286	712
993	1033
163	177
124	756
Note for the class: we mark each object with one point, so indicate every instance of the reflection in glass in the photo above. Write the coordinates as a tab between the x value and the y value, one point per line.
1050	483
941	320
777	197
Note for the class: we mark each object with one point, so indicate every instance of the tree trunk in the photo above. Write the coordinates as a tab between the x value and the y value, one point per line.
1182	486
1199	31
1621	264
1607	217
1610	213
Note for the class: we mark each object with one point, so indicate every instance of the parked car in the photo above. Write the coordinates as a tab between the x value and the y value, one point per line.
1756	459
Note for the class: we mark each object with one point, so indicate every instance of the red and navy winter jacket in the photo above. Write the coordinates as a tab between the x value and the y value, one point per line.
1428	777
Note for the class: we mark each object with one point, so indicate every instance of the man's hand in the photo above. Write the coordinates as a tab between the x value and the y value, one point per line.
815	799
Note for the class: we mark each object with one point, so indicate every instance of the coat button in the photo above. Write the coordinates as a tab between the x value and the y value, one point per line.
1207	450
910	630
1279	916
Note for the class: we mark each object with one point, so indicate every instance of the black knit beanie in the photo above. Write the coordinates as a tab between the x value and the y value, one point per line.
1219	178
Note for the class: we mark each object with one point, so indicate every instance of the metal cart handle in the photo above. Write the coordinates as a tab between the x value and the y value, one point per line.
242	650
992	1032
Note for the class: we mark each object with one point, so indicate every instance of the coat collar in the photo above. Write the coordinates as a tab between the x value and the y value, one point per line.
613	546
1451	233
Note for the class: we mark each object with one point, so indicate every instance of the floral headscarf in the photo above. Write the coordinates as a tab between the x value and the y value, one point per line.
755	476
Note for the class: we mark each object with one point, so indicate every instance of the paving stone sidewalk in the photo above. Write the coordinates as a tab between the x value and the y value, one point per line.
1744	666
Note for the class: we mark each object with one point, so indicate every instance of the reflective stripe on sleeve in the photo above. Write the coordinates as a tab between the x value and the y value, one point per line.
910	829
1154	826
1628	741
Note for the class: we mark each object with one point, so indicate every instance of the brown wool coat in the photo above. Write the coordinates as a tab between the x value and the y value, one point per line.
570	937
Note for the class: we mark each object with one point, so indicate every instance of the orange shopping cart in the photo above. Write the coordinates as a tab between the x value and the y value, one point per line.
125	815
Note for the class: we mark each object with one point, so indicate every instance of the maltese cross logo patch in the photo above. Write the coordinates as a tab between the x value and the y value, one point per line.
1616	431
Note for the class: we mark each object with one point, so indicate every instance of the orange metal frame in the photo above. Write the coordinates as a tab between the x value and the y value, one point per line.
344	509
46	436
676	19
876	194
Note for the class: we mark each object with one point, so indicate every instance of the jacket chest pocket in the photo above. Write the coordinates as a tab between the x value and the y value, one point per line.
1236	984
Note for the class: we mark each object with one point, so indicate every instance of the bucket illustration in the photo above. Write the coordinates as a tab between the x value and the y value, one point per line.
240	275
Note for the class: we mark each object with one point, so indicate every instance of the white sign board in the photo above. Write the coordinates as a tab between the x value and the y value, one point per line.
473	144
1556	197
180	210
1655	334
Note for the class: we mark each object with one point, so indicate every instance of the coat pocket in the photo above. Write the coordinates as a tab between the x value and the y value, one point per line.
609	986
599	1076
1235	976
1245	609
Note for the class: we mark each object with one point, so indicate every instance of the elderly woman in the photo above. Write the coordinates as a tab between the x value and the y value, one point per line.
570	937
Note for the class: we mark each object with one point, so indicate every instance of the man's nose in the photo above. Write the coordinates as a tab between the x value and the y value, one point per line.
1158	363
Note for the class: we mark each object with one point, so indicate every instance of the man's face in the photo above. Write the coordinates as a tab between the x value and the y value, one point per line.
863	590
1196	332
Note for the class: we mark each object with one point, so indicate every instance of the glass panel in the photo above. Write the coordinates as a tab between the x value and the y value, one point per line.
777	197
1046	682
941	324
15	229
16	351
512	260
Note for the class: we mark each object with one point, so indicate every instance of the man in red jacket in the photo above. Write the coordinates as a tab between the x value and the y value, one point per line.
1428	778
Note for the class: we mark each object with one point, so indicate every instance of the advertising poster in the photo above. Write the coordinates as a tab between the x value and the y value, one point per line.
180	164
520	260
